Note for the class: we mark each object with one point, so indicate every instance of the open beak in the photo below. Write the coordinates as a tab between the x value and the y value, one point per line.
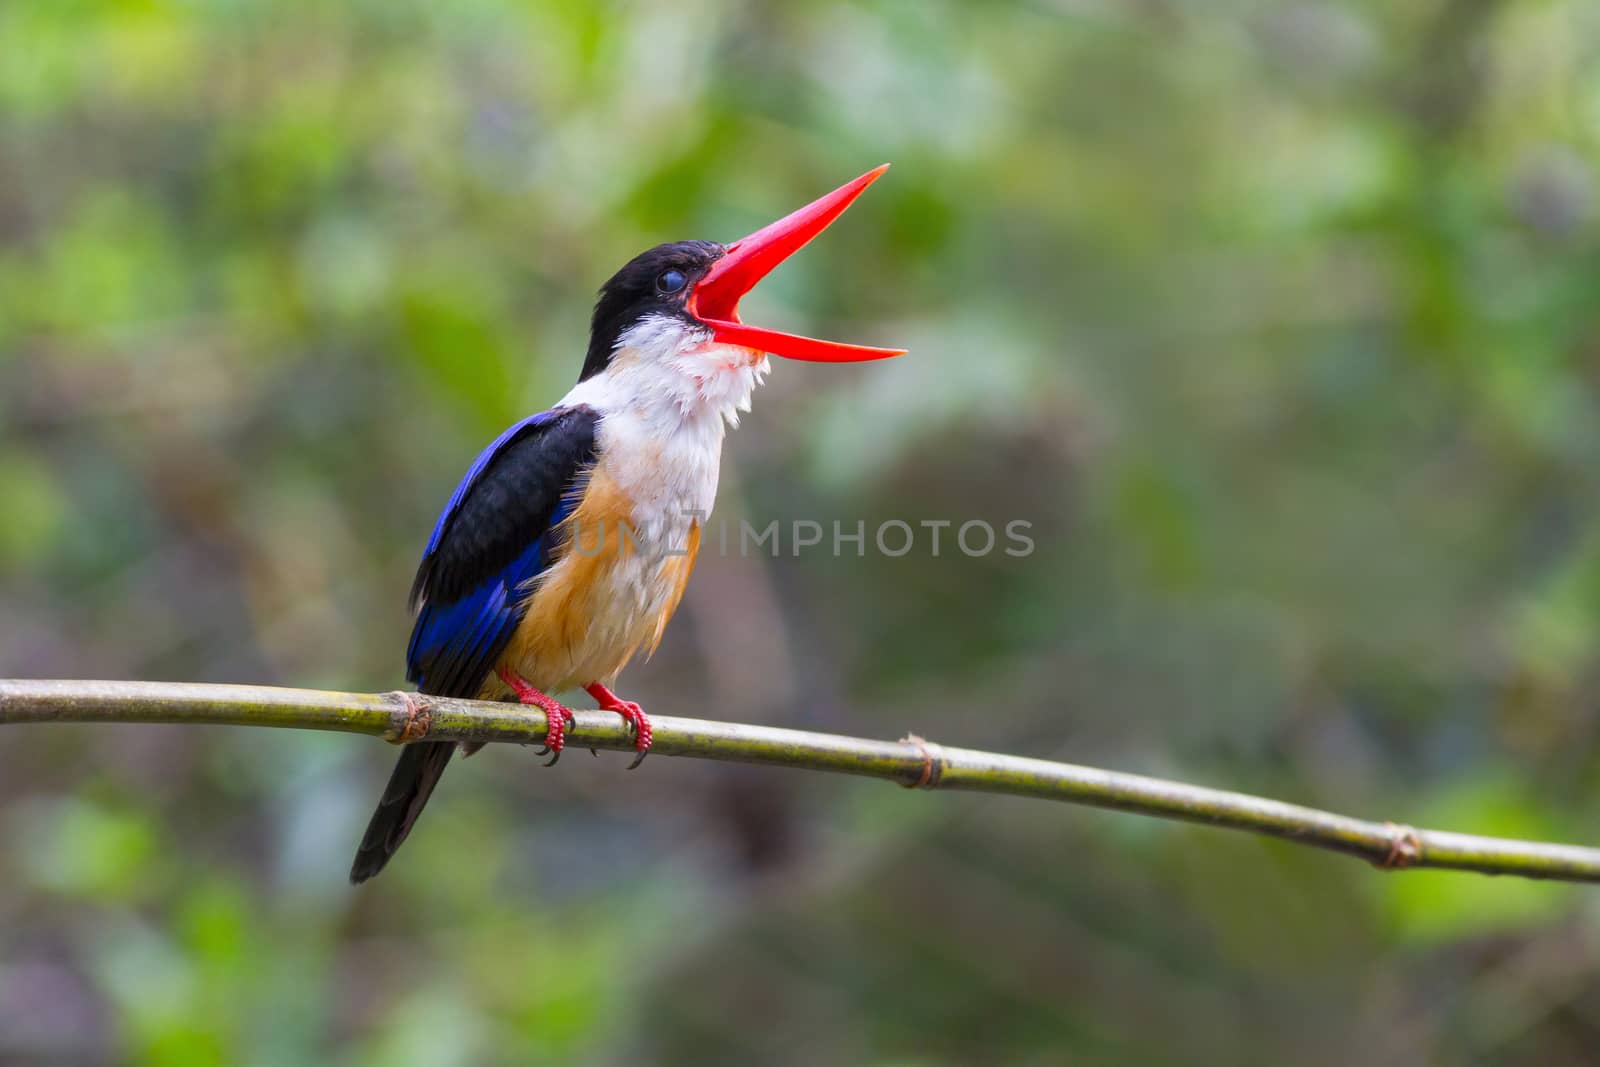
715	299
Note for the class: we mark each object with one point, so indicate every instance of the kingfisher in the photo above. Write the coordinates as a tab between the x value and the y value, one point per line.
566	547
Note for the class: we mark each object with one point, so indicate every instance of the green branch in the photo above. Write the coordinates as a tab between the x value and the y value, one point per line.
406	717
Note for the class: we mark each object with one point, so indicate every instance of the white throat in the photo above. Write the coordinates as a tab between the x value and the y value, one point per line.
665	402
671	376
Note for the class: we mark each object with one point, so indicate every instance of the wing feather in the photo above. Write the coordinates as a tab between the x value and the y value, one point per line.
498	532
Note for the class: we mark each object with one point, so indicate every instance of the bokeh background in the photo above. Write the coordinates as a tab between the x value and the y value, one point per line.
1278	321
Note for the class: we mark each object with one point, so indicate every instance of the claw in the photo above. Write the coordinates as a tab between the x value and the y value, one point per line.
557	715
632	714
558	719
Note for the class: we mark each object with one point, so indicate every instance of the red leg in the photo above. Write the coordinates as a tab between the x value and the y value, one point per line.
631	713
557	715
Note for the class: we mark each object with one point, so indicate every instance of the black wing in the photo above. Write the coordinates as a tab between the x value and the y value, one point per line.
497	533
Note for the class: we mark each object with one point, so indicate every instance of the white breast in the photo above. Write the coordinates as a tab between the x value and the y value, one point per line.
665	402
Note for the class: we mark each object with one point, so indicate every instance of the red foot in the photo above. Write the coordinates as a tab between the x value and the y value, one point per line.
557	715
632	714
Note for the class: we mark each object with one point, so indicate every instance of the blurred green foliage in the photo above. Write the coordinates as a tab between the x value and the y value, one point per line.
1276	320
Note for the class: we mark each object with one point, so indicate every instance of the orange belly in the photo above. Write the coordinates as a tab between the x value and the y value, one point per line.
608	595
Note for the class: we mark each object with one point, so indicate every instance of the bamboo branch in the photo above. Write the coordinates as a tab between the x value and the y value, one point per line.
912	762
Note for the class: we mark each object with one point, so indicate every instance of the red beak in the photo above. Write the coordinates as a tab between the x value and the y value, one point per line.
715	299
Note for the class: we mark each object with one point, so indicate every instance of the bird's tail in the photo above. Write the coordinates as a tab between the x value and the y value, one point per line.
408	790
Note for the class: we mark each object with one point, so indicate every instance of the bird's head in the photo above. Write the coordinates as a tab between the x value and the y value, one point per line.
670	319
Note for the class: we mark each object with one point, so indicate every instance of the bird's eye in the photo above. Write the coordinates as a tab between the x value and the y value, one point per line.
670	281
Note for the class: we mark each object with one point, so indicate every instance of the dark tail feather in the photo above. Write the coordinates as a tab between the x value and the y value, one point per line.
408	790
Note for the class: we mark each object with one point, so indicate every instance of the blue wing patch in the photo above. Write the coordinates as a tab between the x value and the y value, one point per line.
449	642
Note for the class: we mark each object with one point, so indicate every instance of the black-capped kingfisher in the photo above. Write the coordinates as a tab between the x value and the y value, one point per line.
566	547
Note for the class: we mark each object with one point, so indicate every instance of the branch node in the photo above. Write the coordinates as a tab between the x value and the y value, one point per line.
419	718
932	762
1405	848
